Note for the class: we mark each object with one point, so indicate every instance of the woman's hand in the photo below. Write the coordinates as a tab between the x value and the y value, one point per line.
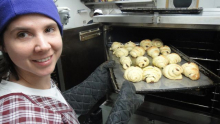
125	105
86	94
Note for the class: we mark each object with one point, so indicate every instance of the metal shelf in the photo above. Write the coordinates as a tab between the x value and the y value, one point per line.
119	2
207	17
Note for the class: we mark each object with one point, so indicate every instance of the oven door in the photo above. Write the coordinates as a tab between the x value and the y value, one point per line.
83	52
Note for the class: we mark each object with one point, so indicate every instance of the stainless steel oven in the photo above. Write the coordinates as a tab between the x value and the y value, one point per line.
195	34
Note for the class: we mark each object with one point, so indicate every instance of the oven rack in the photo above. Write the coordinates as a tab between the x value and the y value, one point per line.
203	51
206	71
215	100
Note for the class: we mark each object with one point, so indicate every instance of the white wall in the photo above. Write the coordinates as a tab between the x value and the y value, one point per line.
209	3
76	19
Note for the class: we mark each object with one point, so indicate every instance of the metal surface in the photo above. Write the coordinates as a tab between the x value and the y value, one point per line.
89	34
166	26
168	114
207	17
119	2
165	84
164	10
123	18
189	104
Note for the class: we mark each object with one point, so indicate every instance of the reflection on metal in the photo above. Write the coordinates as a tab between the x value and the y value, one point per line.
89	34
156	19
204	59
120	2
123	18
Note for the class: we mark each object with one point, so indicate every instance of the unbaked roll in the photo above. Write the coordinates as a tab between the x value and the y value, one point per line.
191	70
146	44
125	61
116	45
160	61
133	74
151	74
165	50
157	42
129	45
137	51
121	52
173	71
153	51
142	61
173	58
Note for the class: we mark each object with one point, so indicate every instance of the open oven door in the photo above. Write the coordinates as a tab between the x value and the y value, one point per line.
83	52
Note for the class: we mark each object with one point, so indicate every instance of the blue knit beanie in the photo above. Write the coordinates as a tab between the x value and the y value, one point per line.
10	9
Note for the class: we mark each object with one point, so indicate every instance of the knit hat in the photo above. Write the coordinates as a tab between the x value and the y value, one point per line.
10	9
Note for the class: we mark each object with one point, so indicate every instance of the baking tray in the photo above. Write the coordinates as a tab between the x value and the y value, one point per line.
207	78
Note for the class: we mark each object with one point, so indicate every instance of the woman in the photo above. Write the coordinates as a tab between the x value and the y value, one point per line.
30	39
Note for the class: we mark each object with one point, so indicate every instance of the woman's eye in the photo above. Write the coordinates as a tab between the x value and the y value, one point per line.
23	35
49	30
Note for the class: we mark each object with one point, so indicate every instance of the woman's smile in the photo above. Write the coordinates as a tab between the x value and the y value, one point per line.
43	60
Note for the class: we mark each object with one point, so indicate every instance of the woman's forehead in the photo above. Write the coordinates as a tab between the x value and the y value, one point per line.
30	20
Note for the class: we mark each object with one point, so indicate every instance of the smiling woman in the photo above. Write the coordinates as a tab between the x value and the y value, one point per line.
31	43
34	45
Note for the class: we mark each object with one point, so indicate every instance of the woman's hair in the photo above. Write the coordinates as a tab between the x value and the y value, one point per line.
6	64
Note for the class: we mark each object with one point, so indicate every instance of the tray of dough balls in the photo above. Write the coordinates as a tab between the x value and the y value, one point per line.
153	66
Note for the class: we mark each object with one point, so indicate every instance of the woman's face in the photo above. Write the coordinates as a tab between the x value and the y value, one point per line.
34	44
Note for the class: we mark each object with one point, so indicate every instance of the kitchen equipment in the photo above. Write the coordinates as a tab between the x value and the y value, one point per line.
197	36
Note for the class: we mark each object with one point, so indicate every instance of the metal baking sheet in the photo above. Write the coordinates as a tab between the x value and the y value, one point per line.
164	84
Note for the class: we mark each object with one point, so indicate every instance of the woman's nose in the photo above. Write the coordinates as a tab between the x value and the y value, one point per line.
42	44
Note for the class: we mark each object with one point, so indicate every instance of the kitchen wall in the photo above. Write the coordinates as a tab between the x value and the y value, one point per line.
81	19
209	3
76	19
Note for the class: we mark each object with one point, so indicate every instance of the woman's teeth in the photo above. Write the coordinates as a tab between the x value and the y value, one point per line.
43	60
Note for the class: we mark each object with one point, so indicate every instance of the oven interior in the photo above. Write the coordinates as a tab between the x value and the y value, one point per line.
201	45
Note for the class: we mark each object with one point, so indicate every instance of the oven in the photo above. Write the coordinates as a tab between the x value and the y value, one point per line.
195	34
194	105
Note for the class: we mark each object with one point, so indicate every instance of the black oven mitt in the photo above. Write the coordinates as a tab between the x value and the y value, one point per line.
125	105
86	94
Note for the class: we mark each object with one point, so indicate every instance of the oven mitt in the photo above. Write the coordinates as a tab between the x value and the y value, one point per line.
125	105
86	94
